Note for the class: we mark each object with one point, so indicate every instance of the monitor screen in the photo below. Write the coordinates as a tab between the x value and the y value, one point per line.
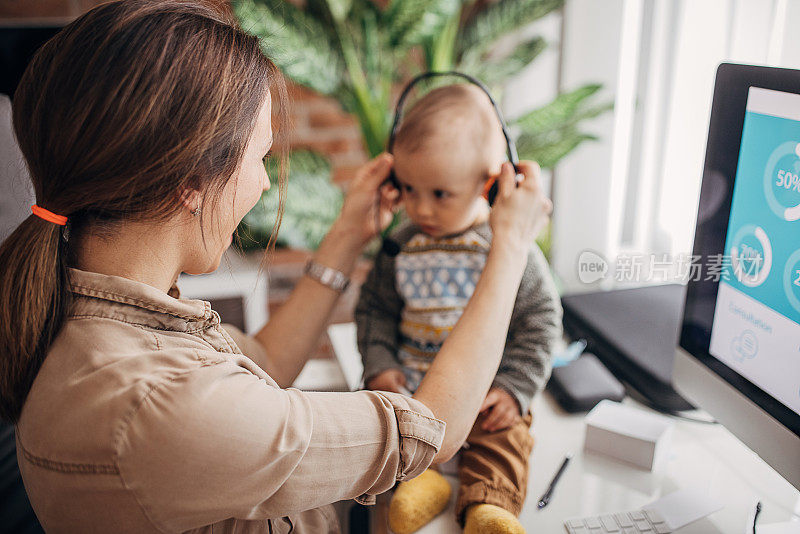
742	319
756	322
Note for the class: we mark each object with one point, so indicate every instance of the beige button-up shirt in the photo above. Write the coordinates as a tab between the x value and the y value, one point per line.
147	416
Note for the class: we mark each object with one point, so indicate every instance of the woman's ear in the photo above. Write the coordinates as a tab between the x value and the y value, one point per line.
190	198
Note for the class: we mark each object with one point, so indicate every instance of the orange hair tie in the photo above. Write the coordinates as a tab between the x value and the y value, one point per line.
48	216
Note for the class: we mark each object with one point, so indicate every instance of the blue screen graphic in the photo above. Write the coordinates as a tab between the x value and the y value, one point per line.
762	248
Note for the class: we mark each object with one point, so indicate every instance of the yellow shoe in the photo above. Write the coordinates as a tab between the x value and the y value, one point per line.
417	501
491	519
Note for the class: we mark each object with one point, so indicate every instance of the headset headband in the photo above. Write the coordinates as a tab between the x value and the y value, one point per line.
511	148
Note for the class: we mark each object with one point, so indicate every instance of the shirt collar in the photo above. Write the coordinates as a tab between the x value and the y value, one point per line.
135	302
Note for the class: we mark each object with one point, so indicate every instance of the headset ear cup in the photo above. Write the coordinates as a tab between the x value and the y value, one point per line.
490	189
392	179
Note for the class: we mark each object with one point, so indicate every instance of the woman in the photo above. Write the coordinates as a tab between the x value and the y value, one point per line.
144	126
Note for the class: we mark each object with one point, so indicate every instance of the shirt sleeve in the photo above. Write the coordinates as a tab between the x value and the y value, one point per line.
533	332
218	442
377	317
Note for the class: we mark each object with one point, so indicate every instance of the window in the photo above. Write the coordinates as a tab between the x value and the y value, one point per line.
636	190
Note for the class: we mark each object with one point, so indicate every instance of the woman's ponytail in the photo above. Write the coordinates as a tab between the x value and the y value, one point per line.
34	298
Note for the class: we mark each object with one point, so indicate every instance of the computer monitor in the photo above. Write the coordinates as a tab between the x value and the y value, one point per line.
739	351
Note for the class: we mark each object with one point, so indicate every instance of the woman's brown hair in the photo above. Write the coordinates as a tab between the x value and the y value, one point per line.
126	107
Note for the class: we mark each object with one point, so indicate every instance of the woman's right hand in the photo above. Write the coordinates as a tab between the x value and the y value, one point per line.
389	380
520	211
370	203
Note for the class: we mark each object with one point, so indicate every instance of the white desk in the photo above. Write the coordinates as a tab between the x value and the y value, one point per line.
705	457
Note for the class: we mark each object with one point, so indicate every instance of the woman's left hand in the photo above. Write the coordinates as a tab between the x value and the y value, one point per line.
369	204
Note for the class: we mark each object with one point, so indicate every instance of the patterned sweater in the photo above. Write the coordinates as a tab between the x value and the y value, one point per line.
410	303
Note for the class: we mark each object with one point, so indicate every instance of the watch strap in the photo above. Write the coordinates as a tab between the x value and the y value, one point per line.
326	276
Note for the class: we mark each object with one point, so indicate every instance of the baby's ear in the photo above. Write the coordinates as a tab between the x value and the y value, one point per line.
493	171
495	166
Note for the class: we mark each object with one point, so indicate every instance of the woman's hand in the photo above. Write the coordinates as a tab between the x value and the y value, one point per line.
389	380
369	204
520	211
501	410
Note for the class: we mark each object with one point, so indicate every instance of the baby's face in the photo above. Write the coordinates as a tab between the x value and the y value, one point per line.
441	194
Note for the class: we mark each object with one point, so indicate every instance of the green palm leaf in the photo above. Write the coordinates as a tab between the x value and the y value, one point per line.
339	8
312	204
439	49
496	71
551	132
499	19
320	11
567	109
357	52
297	43
412	22
548	151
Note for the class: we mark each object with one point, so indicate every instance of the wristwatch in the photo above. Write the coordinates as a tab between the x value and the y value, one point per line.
326	276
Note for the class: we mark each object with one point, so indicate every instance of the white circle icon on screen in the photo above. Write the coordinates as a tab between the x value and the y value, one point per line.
745	346
782	181
750	266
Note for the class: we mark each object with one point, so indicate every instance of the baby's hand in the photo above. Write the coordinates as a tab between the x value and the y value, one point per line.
389	380
501	409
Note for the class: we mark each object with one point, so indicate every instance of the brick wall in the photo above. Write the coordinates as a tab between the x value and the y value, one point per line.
320	124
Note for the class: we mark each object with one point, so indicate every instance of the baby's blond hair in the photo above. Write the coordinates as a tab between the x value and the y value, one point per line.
459	113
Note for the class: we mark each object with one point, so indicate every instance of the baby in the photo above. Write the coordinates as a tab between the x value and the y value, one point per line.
449	144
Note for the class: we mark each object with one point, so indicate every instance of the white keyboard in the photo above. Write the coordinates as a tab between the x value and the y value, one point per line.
637	522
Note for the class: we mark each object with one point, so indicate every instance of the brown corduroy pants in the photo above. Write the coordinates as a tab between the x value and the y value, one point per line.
494	468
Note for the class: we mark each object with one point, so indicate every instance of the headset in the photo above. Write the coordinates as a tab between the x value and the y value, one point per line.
490	189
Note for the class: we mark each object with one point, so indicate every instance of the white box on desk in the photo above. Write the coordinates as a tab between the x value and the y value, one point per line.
628	434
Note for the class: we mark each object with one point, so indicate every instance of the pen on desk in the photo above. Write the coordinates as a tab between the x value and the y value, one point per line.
547	494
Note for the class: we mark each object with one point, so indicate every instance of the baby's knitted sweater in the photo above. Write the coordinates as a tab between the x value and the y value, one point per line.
410	303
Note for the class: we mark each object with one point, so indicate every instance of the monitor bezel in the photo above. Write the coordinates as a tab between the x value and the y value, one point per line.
733	82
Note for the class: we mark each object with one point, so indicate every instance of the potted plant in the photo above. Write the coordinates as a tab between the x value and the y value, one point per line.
358	52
